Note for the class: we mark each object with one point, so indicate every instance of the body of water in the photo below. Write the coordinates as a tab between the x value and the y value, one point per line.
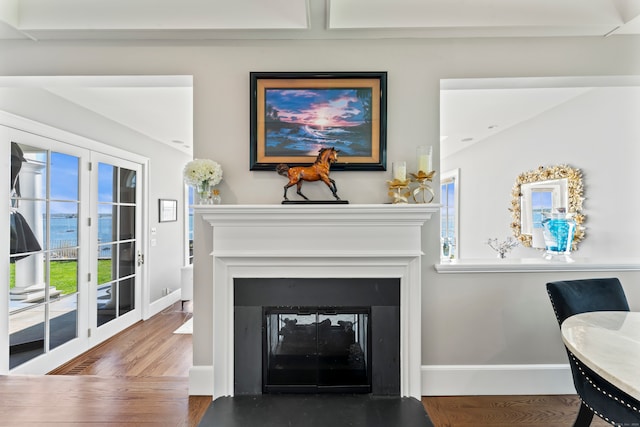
64	232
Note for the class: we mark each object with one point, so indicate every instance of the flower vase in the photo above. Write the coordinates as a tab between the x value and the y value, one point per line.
204	193
216	199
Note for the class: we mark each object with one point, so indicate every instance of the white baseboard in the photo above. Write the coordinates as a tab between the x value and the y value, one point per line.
456	380
201	380
466	380
161	303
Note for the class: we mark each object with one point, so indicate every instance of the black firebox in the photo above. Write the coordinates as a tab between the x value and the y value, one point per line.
318	335
316	349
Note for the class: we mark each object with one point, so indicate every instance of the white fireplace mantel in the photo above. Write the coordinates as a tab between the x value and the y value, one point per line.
315	241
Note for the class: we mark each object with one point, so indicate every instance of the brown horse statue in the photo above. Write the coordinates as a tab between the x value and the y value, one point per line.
318	171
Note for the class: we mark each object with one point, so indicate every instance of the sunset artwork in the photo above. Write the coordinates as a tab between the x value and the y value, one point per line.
295	115
301	121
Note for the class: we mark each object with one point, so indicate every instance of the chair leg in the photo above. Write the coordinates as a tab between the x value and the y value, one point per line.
584	416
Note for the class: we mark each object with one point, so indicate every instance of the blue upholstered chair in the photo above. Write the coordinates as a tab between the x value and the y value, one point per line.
598	396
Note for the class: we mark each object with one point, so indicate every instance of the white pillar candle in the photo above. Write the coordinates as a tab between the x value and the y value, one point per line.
400	171
424	158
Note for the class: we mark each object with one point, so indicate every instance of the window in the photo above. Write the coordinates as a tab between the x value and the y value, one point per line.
449	184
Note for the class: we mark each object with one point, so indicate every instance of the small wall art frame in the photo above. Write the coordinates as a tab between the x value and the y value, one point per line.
167	210
294	115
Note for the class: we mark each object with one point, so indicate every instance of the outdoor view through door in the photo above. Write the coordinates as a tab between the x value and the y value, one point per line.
43	288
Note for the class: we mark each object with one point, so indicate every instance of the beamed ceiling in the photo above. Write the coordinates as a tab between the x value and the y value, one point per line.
314	19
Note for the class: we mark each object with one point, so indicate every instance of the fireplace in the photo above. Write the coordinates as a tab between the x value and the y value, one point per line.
317	335
326	251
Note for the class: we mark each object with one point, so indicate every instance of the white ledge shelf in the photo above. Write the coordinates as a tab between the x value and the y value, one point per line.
536	265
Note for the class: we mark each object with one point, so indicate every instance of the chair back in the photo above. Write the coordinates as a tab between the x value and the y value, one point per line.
570	297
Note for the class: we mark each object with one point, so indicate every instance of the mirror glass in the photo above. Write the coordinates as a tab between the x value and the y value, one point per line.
494	129
546	190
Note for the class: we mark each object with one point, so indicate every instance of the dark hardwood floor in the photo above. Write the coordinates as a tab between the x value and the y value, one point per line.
140	378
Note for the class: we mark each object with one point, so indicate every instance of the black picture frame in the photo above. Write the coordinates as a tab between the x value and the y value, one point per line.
294	114
167	210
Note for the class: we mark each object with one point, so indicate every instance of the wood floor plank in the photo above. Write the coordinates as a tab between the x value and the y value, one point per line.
504	411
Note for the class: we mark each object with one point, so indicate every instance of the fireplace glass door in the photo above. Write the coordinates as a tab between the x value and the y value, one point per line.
316	349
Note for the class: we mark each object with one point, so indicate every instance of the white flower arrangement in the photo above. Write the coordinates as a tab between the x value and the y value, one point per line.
202	172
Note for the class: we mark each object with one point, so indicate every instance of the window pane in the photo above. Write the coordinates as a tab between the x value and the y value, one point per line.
106	266
126	296
106	303
127	259
106	230
26	335
64	177
64	227
127	186
64	321
127	222
64	276
107	183
27	228
28	171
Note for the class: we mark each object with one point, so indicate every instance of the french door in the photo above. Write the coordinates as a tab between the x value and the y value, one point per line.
116	255
75	254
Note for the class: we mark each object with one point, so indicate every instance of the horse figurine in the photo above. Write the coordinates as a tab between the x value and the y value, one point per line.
318	171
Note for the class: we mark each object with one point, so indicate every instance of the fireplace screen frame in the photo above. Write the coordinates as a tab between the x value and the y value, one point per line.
331	353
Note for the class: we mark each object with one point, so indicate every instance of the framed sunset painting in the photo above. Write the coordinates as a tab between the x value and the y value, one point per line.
294	115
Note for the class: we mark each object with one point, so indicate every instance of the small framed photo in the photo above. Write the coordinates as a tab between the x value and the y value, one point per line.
294	115
168	210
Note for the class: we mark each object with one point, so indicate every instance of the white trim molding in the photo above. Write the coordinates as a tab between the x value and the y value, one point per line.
467	380
536	265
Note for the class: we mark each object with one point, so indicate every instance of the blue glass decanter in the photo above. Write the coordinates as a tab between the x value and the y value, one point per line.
558	229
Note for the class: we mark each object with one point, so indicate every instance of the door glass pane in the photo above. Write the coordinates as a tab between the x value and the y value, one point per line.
26	335
107	183
127	259
106	266
28	229
64	177
106	303
63	275
127	222
127	186
29	171
64	228
126	295
106	227
64	321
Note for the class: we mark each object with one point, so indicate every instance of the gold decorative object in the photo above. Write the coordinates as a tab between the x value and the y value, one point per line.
423	193
575	198
399	191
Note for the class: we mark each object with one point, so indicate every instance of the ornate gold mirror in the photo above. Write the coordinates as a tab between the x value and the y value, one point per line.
544	190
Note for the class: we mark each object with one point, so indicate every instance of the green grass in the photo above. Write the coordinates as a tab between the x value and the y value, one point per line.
64	274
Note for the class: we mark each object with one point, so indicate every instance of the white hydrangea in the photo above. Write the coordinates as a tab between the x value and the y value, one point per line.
202	171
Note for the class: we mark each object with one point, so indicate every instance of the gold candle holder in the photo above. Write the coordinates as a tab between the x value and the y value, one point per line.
423	193
399	191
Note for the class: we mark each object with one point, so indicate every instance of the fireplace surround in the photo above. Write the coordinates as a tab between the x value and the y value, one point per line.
318	335
312	242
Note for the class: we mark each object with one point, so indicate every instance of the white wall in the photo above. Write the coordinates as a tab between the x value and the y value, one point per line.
471	319
596	132
165	176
